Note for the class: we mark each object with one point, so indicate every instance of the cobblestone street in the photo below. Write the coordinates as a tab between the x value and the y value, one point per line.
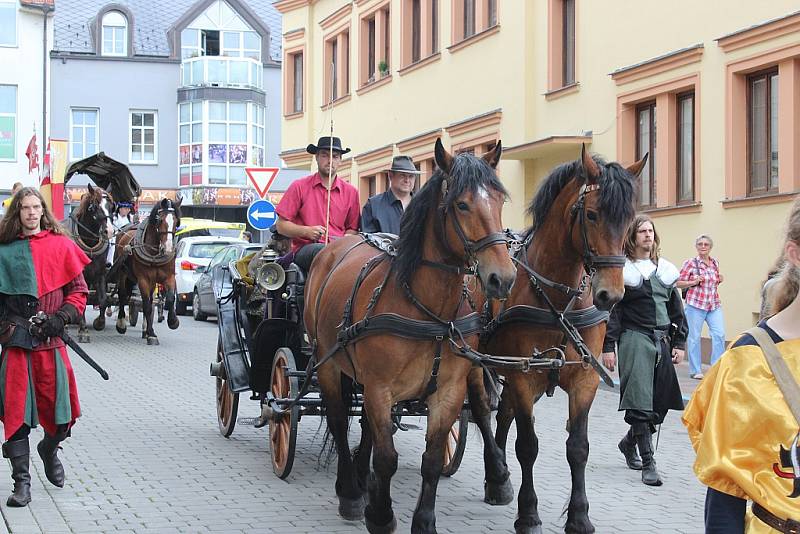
146	456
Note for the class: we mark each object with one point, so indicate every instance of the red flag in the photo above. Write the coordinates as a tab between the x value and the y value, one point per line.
46	167
33	154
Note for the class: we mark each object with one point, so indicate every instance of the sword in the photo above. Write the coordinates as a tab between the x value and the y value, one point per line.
40	317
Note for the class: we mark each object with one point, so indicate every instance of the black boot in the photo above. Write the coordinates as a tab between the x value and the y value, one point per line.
627	446
18	451
48	450
644	440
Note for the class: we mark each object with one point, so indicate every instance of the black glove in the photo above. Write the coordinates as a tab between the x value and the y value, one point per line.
53	326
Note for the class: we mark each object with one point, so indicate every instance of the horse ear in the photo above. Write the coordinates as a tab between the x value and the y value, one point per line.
443	158
493	156
178	200
637	167
91	189
589	164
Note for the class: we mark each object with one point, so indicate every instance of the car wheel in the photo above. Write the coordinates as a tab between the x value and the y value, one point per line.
196	313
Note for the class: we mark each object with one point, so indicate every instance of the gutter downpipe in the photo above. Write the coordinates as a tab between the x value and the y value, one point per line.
45	11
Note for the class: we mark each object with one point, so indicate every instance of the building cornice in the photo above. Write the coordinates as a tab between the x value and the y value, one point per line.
285	6
760	33
422	141
657	65
374	154
534	149
296	158
336	17
294	35
472	124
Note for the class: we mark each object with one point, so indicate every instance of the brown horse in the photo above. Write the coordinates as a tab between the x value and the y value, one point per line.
150	251
580	215
452	226
91	228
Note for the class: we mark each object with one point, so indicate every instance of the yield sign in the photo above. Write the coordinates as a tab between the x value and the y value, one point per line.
262	178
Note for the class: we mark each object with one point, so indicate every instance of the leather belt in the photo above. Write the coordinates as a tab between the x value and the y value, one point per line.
788	526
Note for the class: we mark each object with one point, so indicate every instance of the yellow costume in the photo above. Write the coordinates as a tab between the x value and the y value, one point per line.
7	202
744	434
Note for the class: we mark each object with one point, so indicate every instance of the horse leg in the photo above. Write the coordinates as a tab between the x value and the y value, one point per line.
169	303
527	448
146	291
123	295
99	322
379	516
351	501
497	484
363	453
505	416
83	332
442	413
581	396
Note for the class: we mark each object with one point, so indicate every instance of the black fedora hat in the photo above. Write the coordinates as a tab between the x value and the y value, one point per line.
403	164
327	143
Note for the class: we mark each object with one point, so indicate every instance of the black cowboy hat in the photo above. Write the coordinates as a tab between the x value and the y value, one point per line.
403	164
327	143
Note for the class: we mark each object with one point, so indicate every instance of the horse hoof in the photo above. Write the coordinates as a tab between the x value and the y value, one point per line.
535	529
121	329
498	494
351	509
581	527
83	338
161	319
99	323
175	325
144	334
152	340
388	528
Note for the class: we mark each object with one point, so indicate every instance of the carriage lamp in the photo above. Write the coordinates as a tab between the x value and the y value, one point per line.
270	276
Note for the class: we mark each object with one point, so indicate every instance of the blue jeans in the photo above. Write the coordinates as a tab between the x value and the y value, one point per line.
695	317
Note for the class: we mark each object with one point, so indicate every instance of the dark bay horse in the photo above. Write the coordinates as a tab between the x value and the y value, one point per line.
91	228
150	251
453	225
580	215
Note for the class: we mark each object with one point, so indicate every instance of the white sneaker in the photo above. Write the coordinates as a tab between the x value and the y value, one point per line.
697	376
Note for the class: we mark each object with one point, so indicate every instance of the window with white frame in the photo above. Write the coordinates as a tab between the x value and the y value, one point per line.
115	34
8	122
84	137
144	135
8	23
191	143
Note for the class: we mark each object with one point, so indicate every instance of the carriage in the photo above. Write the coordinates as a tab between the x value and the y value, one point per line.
262	348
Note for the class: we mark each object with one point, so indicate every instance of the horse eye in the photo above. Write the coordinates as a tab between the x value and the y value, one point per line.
591	215
462	206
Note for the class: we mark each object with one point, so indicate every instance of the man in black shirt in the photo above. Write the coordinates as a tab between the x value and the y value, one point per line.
382	213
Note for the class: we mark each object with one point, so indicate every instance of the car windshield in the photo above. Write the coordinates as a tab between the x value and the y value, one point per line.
205	250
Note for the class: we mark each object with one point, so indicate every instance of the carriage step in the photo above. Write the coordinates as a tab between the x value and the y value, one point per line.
248	421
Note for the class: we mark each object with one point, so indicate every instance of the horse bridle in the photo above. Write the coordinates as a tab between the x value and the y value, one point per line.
591	261
158	217
471	247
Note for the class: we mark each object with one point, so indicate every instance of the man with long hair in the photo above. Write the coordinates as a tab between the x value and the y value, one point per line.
647	331
741	425
41	270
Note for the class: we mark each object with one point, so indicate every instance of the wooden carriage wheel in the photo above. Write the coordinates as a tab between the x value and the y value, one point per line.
283	432
227	400
455	444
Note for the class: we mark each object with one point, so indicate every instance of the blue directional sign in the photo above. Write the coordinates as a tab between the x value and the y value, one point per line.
261	214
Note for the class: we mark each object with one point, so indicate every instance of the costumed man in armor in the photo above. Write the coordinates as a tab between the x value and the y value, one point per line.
742	426
121	218
647	333
303	213
41	270
382	213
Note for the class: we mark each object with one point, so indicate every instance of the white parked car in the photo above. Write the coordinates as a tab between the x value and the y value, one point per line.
193	252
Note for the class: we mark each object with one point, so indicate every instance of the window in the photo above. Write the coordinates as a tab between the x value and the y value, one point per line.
337	66
115	34
420	30
8	23
144	145
471	17
84	137
685	148
8	122
646	143
375	43
295	94
762	136
568	46
190	118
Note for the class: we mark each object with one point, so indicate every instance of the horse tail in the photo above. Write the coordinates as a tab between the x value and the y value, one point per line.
349	393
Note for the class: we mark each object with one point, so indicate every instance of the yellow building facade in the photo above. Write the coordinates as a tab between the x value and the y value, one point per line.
711	90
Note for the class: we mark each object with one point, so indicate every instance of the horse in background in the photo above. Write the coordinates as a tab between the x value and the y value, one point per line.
91	229
149	248
572	256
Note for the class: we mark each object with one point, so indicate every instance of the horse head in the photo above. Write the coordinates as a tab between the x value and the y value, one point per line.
166	218
600	207
468	222
98	205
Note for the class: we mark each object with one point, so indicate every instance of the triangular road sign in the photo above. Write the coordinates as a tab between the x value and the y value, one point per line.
262	178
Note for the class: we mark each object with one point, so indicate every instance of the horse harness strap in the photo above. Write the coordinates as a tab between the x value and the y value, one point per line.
138	249
590	259
102	242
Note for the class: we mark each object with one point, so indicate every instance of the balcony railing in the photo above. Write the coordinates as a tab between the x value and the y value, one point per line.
222	71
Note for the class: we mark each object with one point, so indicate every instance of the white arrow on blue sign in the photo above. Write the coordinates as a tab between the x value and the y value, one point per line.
261	214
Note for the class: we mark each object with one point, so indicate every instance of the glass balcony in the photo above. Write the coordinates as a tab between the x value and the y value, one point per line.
222	71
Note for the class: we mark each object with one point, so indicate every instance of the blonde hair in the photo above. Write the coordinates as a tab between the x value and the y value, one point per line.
630	240
787	282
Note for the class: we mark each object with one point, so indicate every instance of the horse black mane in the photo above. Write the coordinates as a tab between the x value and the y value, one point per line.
469	173
616	192
165	204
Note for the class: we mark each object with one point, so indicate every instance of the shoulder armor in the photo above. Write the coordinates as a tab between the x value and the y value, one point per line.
631	275
667	273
